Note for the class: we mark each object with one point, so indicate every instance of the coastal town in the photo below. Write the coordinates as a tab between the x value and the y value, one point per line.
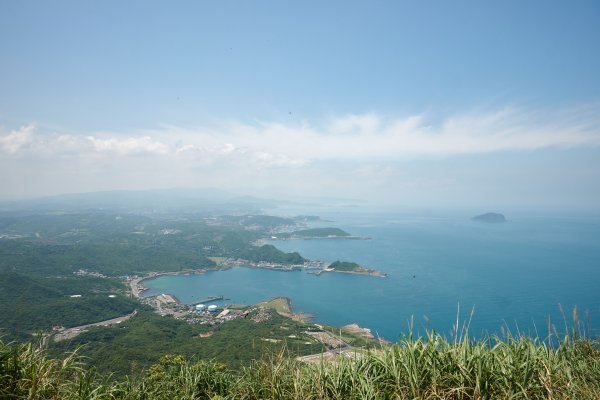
206	313
334	346
217	244
213	309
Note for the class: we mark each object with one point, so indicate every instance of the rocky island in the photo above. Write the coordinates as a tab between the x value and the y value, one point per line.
490	217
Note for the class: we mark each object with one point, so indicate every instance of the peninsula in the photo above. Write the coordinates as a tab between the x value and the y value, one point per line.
316	233
353	268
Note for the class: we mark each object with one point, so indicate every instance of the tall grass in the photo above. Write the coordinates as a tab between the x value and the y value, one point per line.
27	373
428	367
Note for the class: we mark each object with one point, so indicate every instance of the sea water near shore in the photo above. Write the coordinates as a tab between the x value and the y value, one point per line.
515	274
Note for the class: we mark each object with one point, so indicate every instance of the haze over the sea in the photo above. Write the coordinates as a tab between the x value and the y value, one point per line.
425	105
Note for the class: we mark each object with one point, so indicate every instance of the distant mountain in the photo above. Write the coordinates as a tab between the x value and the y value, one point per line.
490	217
210	201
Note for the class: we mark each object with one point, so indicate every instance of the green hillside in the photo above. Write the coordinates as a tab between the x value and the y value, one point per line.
29	305
41	256
345	266
140	342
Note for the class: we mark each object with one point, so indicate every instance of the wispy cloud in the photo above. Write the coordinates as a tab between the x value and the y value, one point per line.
129	145
17	139
373	136
351	154
347	137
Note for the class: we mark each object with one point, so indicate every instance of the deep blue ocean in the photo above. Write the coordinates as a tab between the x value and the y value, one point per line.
514	275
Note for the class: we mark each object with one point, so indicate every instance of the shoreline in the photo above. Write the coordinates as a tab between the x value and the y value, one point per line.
283	305
137	287
317	266
276	239
373	273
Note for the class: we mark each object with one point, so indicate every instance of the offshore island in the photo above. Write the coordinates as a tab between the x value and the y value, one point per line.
490	217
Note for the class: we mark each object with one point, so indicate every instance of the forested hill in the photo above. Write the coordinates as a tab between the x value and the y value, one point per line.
46	258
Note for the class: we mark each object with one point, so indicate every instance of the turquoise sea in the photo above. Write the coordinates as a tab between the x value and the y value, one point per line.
514	275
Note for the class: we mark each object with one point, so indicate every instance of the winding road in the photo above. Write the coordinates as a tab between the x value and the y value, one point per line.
77	330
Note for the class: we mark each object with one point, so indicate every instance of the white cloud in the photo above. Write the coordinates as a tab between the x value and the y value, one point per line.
276	160
17	139
351	137
371	136
354	155
353	123
129	145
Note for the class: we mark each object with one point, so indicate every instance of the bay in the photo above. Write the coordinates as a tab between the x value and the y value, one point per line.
513	275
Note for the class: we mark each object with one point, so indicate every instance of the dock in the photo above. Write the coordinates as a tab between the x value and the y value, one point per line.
210	299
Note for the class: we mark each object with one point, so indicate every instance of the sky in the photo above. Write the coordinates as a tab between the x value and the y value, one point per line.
490	105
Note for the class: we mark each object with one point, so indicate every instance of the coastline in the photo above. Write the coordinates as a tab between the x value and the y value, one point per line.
137	287
377	274
316	267
317	238
283	305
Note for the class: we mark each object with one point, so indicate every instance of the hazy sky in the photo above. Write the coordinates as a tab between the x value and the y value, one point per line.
436	104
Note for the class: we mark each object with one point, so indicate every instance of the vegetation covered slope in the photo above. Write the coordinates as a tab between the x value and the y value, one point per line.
42	255
136	344
429	368
345	266
29	304
270	253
